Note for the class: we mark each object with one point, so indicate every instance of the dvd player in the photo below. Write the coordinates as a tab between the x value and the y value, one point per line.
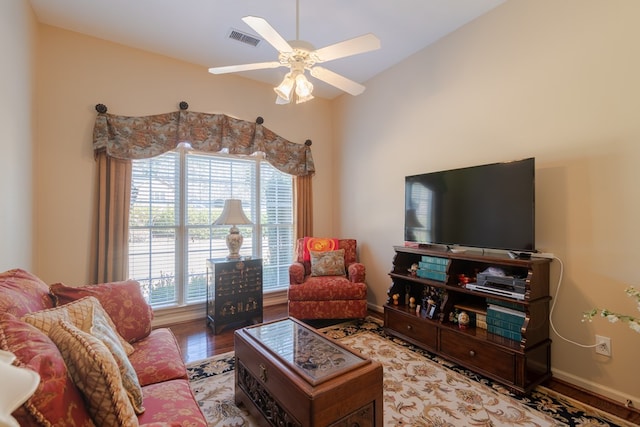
495	291
509	283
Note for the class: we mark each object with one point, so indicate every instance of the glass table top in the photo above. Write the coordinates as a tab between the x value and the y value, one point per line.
307	351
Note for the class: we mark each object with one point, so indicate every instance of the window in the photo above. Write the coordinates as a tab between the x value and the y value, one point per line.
176	197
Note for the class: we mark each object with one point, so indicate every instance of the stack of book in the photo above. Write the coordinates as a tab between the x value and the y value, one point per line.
433	267
505	319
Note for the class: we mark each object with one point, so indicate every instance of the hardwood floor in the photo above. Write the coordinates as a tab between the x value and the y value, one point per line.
197	341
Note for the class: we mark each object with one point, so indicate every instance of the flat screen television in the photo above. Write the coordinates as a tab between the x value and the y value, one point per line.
488	206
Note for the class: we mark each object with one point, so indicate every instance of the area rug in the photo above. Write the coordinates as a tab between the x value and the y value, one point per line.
420	389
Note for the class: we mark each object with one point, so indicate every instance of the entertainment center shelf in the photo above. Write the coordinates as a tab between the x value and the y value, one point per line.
501	332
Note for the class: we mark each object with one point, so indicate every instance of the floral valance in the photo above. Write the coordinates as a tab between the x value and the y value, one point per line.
143	137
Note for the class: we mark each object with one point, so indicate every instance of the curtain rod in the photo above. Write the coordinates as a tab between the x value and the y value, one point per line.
102	109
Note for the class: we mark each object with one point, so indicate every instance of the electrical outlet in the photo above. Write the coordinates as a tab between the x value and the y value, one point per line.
603	345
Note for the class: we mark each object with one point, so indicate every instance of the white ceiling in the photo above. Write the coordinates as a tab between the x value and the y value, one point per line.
197	31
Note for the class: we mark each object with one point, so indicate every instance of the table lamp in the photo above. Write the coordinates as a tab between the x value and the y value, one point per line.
233	215
19	384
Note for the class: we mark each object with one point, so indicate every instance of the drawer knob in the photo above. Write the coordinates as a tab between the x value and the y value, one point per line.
409	327
472	353
263	373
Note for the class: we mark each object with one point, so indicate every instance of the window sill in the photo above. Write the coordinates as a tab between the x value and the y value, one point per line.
172	315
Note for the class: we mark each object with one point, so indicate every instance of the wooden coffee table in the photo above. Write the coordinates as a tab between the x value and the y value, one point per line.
287	374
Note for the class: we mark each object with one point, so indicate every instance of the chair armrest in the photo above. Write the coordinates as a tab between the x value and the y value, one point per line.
296	273
356	272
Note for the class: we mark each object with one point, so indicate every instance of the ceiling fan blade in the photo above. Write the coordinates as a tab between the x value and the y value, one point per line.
337	80
262	27
349	47
244	67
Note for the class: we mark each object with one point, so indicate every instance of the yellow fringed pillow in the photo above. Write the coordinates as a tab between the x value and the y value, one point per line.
96	374
79	313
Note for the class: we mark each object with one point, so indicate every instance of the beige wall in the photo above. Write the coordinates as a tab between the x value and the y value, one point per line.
76	73
554	80
17	130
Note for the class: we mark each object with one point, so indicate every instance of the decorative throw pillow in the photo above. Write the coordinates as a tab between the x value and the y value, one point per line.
56	401
317	244
95	372
21	292
110	338
123	302
328	263
79	313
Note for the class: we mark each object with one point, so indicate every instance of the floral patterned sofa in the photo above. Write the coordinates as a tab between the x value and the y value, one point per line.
326	281
89	374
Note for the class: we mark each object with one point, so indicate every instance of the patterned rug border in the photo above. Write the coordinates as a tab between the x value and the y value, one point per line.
561	408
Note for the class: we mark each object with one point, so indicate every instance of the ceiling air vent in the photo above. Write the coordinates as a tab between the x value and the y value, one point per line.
244	37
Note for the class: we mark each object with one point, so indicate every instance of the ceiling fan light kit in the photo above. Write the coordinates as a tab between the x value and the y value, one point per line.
299	56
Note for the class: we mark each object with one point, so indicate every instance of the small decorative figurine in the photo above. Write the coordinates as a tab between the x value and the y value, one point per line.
463	320
414	269
395	298
412	302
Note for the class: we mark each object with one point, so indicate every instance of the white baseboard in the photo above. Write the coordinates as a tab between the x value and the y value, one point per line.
596	388
376	308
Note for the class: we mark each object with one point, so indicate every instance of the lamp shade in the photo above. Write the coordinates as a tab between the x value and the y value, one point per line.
303	86
232	214
284	89
19	384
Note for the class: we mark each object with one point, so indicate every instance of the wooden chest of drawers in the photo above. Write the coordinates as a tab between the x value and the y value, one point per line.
413	328
234	292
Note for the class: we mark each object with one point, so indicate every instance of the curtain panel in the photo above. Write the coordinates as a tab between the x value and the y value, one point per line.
119	139
125	137
110	247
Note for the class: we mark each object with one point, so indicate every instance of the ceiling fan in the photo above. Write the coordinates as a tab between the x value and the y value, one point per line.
300	56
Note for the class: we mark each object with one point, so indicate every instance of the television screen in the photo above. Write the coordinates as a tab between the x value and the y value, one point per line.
489	206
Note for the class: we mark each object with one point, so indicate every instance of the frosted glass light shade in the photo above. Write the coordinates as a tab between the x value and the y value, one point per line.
284	89
303	86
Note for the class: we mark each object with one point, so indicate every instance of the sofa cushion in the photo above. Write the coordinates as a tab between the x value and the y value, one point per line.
327	263
123	301
79	313
328	289
56	401
21	292
157	358
95	372
340	309
173	403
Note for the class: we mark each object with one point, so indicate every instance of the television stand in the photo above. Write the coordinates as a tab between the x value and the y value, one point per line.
471	327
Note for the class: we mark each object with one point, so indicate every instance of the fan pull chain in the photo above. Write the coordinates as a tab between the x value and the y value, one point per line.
297	19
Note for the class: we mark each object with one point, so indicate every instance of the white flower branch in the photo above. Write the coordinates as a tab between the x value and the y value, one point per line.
613	317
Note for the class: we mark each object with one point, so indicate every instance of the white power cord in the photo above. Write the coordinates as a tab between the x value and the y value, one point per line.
553	306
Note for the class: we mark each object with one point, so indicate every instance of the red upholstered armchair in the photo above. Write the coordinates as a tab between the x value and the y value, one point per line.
327	296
